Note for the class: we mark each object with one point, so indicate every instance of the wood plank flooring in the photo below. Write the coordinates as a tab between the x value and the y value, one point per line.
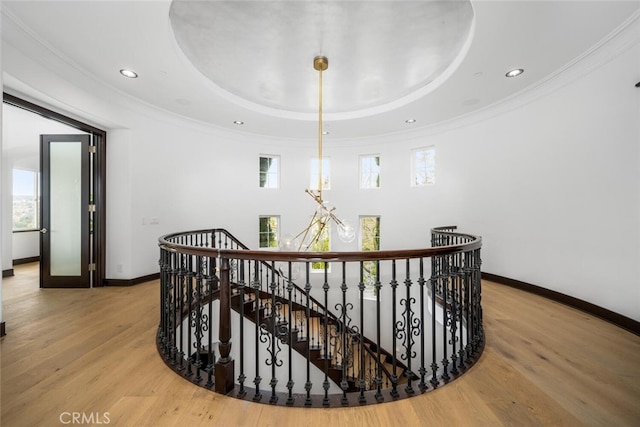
92	351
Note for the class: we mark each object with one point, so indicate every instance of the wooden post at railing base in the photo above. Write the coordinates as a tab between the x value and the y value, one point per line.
224	376
224	367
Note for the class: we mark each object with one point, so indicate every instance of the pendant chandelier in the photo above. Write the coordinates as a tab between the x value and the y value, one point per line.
325	212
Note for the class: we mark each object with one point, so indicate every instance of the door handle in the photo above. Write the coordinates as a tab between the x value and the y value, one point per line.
44	230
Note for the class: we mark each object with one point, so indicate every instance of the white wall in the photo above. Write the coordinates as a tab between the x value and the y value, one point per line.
554	185
551	182
25	245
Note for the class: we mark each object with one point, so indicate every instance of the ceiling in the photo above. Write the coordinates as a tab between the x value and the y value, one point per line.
221	62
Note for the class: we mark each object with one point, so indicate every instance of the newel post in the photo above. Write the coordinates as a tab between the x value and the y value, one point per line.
224	368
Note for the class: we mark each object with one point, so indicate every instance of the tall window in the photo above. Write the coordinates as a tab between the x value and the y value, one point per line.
326	174
26	200
370	171
269	231
322	244
423	166
369	241
269	171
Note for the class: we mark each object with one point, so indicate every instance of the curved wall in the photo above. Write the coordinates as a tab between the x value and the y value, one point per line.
550	181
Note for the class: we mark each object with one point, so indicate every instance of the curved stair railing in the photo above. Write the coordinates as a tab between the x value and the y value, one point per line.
339	349
356	347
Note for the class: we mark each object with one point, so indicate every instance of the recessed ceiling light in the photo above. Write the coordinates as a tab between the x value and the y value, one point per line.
515	73
410	121
129	73
238	122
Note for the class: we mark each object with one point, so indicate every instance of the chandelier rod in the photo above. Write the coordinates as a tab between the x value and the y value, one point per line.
320	63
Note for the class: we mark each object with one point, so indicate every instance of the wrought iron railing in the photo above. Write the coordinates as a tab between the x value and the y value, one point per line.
319	339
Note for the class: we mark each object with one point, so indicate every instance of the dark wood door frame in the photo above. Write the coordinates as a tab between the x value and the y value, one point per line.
99	177
81	279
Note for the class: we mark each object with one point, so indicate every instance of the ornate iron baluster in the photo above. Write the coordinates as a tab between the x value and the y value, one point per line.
198	318
422	370
307	288
241	302
467	298
344	385
412	329
163	305
167	303
477	307
189	291
378	288
460	311
181	289
290	383
394	374
445	285
277	336
361	368
434	318
453	316
325	384
256	293
175	306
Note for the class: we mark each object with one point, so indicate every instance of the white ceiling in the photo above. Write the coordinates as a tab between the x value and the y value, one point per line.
378	52
252	61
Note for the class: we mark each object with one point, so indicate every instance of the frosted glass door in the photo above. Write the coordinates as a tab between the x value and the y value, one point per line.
65	224
65	205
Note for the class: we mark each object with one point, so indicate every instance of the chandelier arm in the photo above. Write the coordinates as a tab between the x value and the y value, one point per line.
313	221
314	196
335	218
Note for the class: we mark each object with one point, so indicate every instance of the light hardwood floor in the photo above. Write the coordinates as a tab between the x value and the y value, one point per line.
93	351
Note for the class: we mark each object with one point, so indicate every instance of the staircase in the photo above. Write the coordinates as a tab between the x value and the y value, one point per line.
323	339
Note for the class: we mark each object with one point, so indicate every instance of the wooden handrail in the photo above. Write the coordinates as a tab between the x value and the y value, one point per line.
475	242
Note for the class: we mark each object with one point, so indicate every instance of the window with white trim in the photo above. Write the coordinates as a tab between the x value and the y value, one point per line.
369	241
423	166
370	171
268	235
321	244
326	174
269	171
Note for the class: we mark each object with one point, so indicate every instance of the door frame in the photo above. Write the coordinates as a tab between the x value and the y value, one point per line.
99	174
